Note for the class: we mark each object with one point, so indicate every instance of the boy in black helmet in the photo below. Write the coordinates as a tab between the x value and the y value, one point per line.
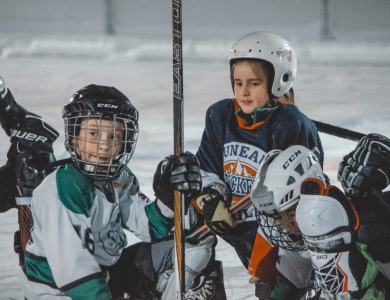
77	246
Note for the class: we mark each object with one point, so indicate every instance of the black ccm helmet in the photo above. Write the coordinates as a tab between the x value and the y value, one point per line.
101	103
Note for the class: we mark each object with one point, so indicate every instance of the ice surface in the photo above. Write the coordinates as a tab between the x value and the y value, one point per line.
342	84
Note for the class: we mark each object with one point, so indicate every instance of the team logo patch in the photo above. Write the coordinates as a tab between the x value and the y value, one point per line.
239	176
241	162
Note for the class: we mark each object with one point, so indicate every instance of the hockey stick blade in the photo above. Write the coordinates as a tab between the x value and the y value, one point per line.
338	131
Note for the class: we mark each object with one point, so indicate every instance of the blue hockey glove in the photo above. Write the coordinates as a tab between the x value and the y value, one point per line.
366	167
180	173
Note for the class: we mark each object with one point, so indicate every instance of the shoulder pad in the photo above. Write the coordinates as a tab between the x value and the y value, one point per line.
75	190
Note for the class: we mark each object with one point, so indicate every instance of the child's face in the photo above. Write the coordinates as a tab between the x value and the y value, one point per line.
99	140
287	220
250	90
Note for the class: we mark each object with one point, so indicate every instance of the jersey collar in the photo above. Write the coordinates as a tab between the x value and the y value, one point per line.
250	122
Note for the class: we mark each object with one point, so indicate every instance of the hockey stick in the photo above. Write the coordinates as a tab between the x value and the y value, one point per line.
338	131
178	122
234	208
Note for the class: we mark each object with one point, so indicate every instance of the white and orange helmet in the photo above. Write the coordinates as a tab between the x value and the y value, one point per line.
276	189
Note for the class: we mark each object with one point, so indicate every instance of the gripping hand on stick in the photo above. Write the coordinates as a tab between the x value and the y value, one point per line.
179	173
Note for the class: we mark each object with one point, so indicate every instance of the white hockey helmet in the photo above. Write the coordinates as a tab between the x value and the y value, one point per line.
276	192
277	184
273	48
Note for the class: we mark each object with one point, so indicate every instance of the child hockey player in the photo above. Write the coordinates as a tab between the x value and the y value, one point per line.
30	151
80	210
239	132
318	229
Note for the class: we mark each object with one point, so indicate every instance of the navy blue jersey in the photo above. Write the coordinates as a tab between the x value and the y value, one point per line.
233	150
234	144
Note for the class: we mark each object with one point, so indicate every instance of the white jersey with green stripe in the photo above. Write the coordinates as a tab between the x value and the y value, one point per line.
77	227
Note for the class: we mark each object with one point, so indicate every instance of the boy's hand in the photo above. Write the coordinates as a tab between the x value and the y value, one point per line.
179	173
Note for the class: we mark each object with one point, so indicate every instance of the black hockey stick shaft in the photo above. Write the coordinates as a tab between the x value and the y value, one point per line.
338	131
178	122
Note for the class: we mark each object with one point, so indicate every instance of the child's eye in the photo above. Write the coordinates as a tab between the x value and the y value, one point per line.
116	138
238	84
255	83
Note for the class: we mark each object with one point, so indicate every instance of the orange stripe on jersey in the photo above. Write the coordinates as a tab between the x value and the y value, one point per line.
262	263
345	283
242	122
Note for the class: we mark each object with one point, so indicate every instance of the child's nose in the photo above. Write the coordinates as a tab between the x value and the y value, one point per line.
245	90
104	143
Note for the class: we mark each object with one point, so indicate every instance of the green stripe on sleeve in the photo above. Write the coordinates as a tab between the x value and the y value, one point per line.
39	269
161	226
95	289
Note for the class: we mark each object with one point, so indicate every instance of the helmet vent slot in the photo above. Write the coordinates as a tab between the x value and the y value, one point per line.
288	197
299	169
291	180
309	163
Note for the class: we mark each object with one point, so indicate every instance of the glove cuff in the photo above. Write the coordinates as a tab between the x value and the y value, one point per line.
163	195
198	204
164	209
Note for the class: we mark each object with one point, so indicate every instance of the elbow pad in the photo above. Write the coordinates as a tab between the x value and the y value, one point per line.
328	222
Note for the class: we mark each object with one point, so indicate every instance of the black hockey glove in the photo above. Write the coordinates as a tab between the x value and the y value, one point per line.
31	168
31	142
180	173
367	167
217	216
